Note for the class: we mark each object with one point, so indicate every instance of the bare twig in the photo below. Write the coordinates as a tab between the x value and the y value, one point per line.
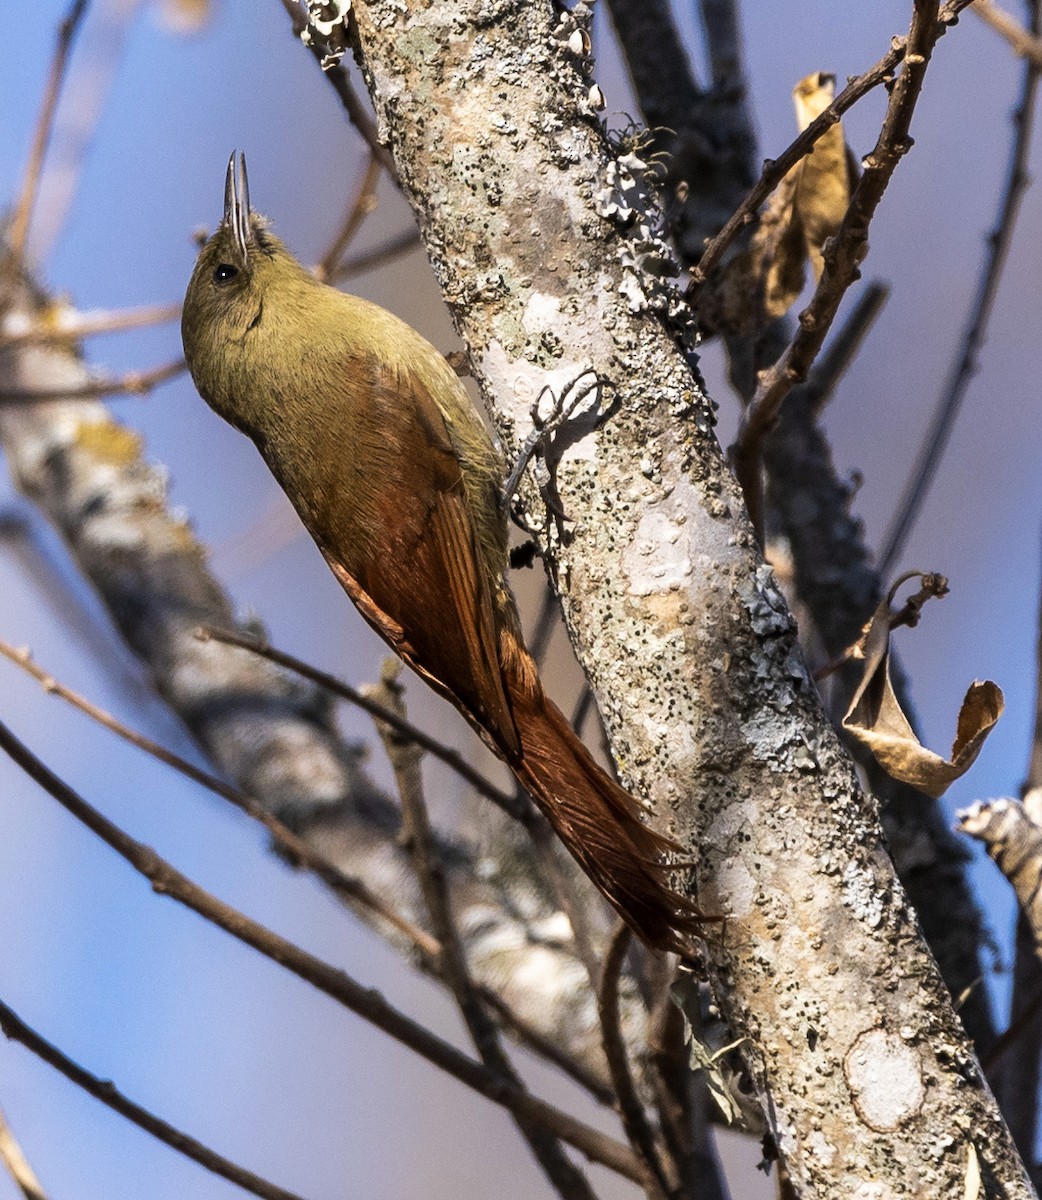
583	708
969	342
842	257
539	1044
68	325
379	256
1024	44
44	124
365	1002
303	855
298	851
578	902
133	383
845	345
107	1092
775	169
404	756
546	622
507	801
634	1118
18	1165
362	205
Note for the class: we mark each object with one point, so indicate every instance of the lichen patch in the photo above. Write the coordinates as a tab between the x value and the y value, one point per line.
885	1078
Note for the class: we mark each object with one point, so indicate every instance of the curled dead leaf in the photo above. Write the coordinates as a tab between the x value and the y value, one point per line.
764	281
823	184
876	721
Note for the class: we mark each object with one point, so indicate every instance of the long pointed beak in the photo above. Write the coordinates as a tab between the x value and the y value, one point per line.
237	202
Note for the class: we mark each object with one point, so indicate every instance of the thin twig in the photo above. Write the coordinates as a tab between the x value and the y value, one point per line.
507	801
539	1044
571	892
567	1180
341	81
133	383
361	206
842	258
299	852
69	325
634	1118
107	1092
845	345
303	855
17	1164
583	708
1024	44
42	134
775	169
965	364
379	256
367	1003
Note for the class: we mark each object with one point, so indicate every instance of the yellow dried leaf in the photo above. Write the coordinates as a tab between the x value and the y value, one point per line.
780	245
875	720
823	185
764	281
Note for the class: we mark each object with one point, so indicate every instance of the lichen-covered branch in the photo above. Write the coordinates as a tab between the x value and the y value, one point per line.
543	252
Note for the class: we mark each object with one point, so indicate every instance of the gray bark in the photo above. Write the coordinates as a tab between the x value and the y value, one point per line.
865	1073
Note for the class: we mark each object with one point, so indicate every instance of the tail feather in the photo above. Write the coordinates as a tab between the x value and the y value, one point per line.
599	823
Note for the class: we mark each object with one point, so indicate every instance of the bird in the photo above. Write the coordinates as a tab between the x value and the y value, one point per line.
384	456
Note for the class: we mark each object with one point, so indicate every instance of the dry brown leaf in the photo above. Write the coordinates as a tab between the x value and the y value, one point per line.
823	186
875	720
779	251
763	282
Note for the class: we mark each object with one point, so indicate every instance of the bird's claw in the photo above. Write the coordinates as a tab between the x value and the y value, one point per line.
538	443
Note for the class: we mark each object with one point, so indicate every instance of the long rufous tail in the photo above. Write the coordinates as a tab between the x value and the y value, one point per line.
596	819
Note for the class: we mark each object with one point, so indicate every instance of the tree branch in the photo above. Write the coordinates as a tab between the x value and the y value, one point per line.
107	1092
843	255
1024	44
775	169
404	756
19	229
634	1118
507	801
18	1165
364	1002
695	669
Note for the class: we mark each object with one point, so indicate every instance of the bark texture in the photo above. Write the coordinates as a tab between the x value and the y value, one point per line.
547	261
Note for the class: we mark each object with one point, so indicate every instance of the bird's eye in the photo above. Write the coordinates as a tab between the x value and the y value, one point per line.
225	272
